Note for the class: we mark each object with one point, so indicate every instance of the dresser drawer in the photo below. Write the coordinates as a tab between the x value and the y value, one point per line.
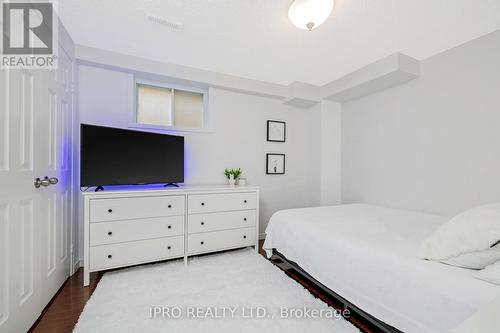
134	208
219	240
221	221
115	255
207	203
132	230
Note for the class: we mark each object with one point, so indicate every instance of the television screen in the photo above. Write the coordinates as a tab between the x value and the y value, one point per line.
112	156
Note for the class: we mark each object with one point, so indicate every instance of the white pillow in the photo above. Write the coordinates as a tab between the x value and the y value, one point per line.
490	274
474	230
477	259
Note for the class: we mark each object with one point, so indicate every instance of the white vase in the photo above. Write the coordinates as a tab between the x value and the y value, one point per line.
231	180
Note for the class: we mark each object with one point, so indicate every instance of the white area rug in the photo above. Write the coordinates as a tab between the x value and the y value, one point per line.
214	293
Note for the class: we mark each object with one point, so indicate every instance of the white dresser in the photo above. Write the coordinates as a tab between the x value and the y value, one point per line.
129	227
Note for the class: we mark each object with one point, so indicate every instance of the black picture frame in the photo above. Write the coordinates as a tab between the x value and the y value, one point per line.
268	155
269	122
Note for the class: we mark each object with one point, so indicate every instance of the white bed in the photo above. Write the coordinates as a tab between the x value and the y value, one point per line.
368	255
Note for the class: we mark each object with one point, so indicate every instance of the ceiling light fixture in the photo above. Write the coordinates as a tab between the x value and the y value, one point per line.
309	14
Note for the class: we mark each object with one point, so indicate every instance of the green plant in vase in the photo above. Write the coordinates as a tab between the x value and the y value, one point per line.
232	175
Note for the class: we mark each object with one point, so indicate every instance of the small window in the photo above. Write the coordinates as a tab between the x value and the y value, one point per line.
188	109
170	107
154	105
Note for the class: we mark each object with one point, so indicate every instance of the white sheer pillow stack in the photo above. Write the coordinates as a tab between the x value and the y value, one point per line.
470	240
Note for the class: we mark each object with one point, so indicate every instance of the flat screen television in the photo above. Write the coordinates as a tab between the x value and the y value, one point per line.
113	156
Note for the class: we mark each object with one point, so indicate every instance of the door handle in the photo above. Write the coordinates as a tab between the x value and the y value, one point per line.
45	181
42	182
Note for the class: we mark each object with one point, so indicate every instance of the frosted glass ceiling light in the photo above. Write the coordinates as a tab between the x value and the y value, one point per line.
309	14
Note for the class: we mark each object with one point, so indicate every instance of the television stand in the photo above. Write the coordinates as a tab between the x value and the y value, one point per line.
99	188
236	208
171	184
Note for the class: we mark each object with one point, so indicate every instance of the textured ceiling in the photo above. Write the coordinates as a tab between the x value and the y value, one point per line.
254	38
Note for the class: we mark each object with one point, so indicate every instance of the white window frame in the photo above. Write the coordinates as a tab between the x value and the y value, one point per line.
207	125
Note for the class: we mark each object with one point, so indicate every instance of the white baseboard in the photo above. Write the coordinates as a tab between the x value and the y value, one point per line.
262	235
77	265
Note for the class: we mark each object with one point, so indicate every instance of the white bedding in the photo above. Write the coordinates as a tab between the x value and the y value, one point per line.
368	255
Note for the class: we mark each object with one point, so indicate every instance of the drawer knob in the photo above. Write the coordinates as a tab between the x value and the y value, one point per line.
202	223
170	227
202	243
169	206
244	219
169	247
244	201
110	256
203	204
110	210
110	233
245	236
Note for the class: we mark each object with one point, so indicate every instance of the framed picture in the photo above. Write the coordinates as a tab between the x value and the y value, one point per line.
276	131
275	164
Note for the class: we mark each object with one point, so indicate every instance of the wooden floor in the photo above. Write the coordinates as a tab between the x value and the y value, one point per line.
62	313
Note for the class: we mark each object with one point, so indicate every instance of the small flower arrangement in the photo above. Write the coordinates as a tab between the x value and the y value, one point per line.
232	175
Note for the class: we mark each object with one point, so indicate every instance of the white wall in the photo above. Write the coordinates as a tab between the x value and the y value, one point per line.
330	153
432	144
323	153
313	154
237	139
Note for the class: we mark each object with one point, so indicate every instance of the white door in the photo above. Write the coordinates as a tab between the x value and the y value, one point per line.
54	160
35	122
19	203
